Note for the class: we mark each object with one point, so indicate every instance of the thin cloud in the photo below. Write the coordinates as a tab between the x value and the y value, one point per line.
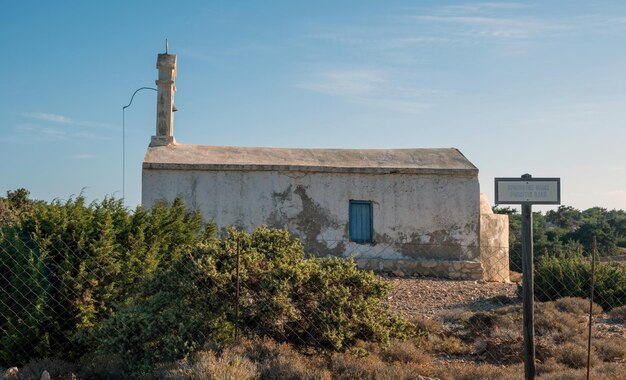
48	117
481	7
498	27
65	120
361	39
83	156
35	132
348	83
41	131
374	88
398	38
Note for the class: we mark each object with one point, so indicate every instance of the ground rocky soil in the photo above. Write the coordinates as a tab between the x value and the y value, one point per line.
433	298
429	297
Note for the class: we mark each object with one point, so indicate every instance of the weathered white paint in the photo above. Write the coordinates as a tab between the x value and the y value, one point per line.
415	216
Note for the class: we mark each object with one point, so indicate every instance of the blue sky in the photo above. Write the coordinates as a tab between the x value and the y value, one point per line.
528	87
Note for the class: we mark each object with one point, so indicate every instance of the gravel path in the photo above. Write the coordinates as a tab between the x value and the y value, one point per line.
428	297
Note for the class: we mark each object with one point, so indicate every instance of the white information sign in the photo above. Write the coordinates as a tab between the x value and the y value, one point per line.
528	190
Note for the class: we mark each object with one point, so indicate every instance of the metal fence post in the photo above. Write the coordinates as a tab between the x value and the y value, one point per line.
593	280
237	295
528	291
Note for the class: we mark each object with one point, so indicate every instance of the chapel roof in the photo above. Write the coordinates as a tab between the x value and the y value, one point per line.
449	161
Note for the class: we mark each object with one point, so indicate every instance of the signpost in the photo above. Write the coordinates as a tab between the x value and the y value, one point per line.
527	191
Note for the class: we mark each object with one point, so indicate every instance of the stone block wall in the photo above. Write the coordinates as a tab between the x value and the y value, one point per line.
494	243
452	269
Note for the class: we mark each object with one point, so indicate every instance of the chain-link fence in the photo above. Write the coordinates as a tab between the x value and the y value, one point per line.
84	300
570	330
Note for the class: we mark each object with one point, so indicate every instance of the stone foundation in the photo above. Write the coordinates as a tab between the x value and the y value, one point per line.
456	270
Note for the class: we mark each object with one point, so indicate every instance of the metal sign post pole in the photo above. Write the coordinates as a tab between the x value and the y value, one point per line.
528	291
527	191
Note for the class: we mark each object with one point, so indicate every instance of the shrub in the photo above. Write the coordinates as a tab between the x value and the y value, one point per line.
501	346
577	306
176	312
25	292
557	277
574	355
327	303
549	366
466	371
286	363
70	264
450	345
611	349
403	352
565	374
609	371
346	366
482	322
549	320
207	365
426	326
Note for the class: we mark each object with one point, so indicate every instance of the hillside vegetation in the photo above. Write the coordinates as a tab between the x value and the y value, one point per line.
106	292
563	240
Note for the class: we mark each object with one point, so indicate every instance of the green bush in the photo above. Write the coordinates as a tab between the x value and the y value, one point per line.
325	304
154	285
24	297
557	277
66	266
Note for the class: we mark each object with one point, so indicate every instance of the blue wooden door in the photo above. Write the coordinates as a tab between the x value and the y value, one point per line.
360	221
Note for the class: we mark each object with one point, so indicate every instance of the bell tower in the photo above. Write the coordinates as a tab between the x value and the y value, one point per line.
166	64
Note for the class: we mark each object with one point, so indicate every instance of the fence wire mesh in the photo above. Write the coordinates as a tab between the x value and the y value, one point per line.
63	295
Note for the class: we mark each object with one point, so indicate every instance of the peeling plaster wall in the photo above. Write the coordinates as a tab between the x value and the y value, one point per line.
432	217
494	243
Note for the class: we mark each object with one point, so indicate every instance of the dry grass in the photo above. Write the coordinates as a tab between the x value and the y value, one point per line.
207	365
261	359
574	355
607	371
480	345
426	326
467	371
346	366
281	361
404	352
618	314
457	315
482	322
349	366
549	366
611	349
577	306
450	345
549	320
501	347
